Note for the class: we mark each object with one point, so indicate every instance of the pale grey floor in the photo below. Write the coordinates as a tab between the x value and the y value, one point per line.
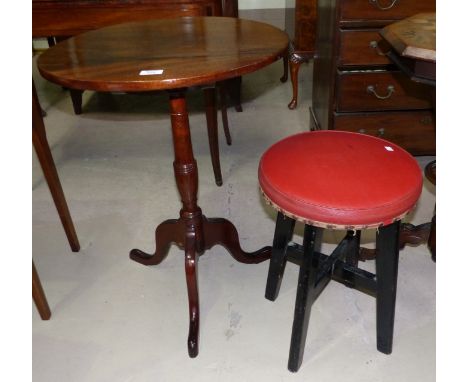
116	320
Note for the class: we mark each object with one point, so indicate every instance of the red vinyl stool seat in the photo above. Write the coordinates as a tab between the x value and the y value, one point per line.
338	180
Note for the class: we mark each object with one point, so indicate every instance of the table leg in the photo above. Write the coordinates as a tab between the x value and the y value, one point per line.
192	231
46	160
211	113
284	78
39	296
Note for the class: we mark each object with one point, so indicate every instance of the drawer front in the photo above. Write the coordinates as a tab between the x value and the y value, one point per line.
384	9
360	48
414	131
380	90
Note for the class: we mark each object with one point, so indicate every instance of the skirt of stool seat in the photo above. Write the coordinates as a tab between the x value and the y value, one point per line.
340	179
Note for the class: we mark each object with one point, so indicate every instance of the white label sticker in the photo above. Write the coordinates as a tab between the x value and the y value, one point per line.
388	148
151	72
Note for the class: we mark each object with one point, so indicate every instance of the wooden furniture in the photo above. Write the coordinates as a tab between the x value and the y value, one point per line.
300	23
60	19
46	161
413	50
355	85
374	184
64	18
184	52
39	296
413	46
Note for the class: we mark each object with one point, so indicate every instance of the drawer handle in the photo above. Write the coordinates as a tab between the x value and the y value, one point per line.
374	45
426	120
381	7
380	132
390	90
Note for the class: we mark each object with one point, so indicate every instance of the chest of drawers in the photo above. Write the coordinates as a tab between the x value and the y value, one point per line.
355	86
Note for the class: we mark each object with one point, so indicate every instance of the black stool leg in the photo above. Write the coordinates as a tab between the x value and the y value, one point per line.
306	295
283	233
352	254
386	272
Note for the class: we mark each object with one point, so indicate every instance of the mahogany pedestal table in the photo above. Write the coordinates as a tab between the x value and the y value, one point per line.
172	55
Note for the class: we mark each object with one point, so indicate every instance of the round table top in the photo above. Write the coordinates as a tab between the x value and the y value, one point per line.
162	54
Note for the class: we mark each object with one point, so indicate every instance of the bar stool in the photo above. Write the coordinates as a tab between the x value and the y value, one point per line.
337	180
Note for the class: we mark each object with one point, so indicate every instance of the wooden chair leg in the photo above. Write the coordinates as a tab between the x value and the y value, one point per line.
431	243
212	126
77	100
294	68
39	295
223	106
305	295
50	172
234	91
387	249
284	78
51	41
283	233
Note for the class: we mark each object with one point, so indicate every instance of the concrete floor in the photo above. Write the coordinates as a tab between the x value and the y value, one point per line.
116	320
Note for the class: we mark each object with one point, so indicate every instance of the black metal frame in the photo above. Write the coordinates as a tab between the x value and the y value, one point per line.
317	269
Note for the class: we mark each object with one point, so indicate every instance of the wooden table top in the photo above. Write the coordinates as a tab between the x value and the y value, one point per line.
162	54
414	37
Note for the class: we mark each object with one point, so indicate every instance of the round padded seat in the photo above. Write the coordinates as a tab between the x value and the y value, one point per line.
338	179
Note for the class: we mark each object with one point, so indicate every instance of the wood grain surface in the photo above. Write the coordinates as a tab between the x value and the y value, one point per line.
414	37
189	51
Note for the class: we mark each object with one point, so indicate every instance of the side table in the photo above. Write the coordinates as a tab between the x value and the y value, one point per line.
172	55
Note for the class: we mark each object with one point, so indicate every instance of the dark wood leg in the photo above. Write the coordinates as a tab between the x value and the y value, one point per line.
77	99
284	78
191	262
222	232
192	231
39	295
294	64
386	273
430	172
305	295
212	126
50	41
46	160
168	232
230	8
222	96
234	90
432	239
283	233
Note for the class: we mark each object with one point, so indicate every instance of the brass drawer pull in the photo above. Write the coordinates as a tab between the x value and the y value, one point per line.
380	132
381	7
390	90
374	45
426	120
